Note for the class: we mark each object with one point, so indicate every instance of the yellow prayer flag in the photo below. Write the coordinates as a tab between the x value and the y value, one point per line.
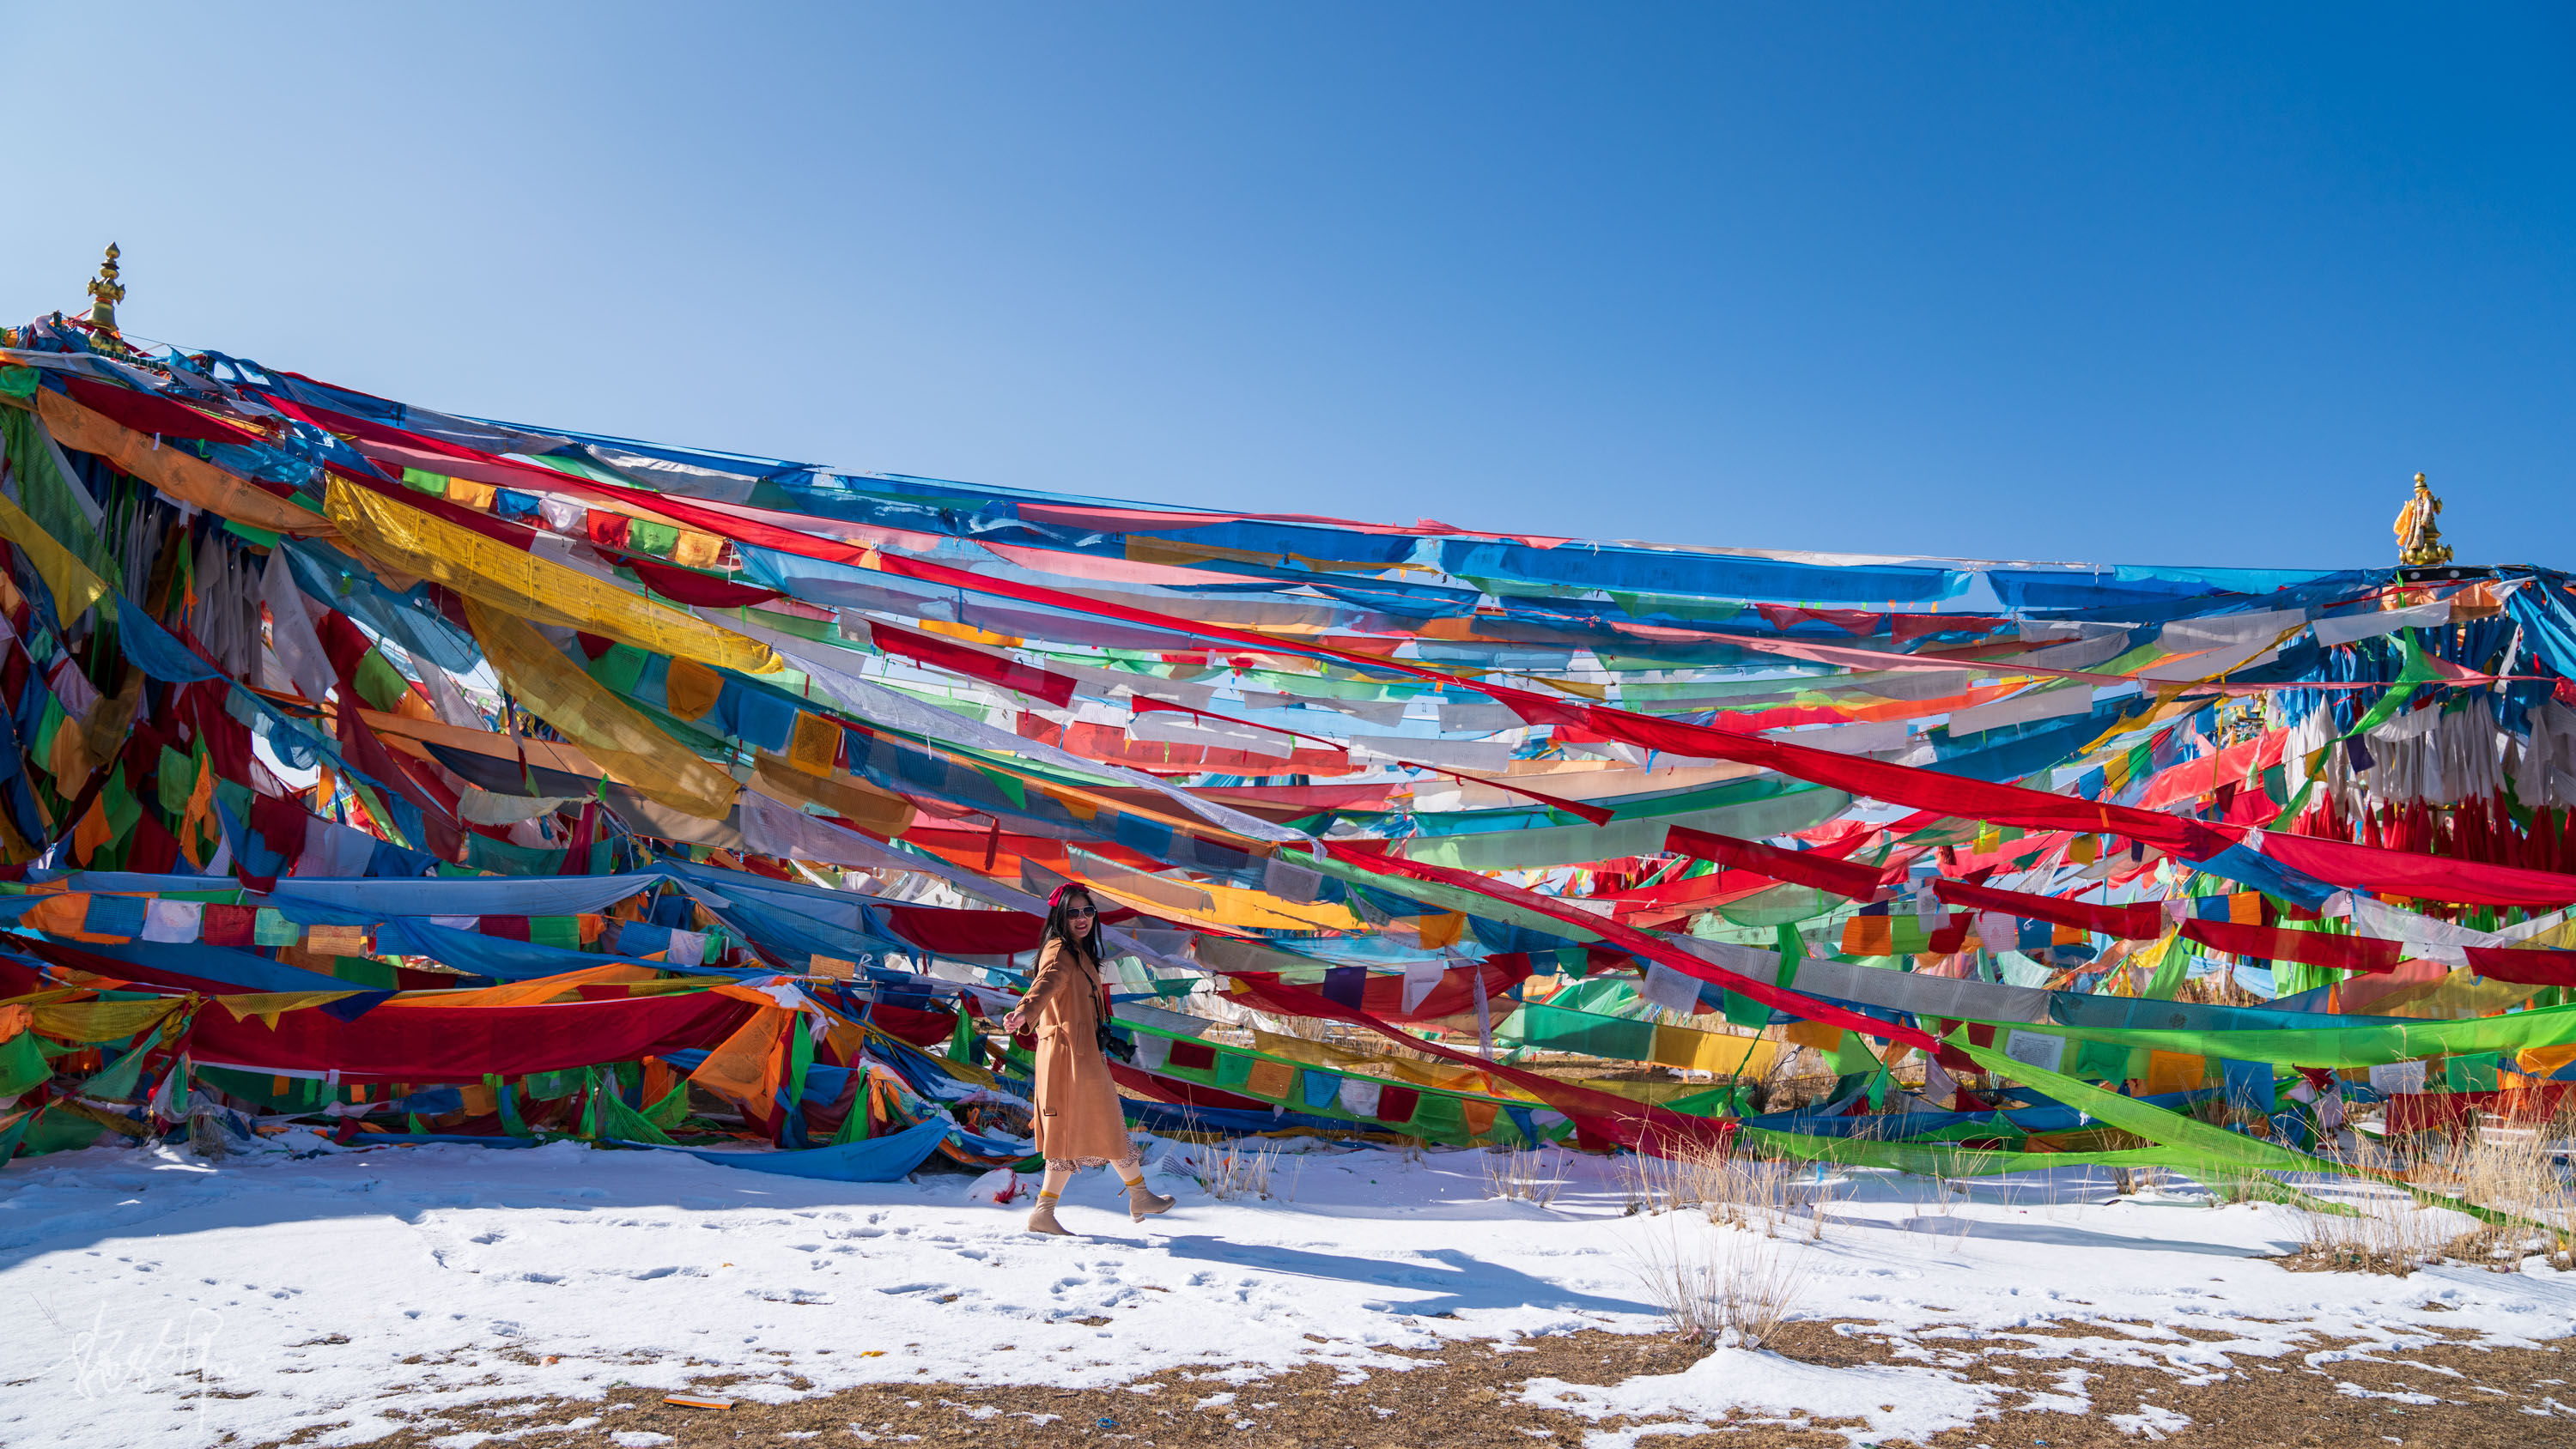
1270	1079
2174	1072
697	550
530	588
100	1021
690	689
815	747
617	737
74	587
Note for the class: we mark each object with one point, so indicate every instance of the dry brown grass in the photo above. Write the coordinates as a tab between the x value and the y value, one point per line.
1523	1174
1719	1284
1243	1169
2383	1230
2517	1173
1728	1188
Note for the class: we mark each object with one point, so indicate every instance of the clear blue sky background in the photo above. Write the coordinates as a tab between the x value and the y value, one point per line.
2153	283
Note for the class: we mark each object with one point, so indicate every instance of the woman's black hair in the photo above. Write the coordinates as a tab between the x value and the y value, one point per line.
1059	929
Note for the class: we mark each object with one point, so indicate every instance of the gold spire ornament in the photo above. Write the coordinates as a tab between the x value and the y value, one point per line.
2419	540
105	292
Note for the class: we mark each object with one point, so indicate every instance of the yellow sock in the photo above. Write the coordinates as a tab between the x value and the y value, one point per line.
1046	1197
1135	1181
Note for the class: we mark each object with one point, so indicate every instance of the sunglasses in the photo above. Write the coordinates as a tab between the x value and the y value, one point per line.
1080	911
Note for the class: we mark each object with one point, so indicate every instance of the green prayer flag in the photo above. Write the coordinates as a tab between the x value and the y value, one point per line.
2213	1146
800	1061
611	1118
174	781
22	1064
118	1081
47	497
1012	787
1853	1056
673	1109
855	1127
563	932
2415	668
14	1133
118	801
506	1099
2172	963
2104	1061
49	1130
2475	1072
622	669
272	928
380	684
553	1086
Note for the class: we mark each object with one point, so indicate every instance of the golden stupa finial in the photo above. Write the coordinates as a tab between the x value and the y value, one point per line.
2419	539
106	291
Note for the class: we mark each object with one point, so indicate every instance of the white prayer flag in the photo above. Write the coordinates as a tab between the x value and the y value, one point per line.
1359	1095
2036	1049
1670	989
1419	978
2397	1079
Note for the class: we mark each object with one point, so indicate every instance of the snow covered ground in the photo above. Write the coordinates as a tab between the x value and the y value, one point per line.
155	1299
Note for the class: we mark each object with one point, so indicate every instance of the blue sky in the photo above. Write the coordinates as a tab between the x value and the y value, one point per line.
2153	284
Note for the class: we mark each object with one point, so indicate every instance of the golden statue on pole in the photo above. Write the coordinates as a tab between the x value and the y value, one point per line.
2419	540
105	292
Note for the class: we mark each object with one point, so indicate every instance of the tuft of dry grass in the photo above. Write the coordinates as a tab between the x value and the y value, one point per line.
1242	1169
1754	1192
1723	1285
1522	1173
2380	1230
2518	1173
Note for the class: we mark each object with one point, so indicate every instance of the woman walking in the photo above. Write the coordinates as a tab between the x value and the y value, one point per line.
1079	1123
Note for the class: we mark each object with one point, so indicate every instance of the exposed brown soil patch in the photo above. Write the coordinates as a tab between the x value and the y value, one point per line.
1468	1394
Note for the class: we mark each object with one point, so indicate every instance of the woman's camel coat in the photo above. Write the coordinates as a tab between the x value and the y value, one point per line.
1078	1118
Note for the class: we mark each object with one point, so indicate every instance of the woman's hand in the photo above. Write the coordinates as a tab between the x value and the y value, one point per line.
1016	1020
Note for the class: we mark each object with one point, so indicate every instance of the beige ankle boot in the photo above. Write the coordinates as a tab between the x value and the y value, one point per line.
1042	1219
1143	1202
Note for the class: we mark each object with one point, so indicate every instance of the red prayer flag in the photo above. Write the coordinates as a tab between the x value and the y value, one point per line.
938	653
